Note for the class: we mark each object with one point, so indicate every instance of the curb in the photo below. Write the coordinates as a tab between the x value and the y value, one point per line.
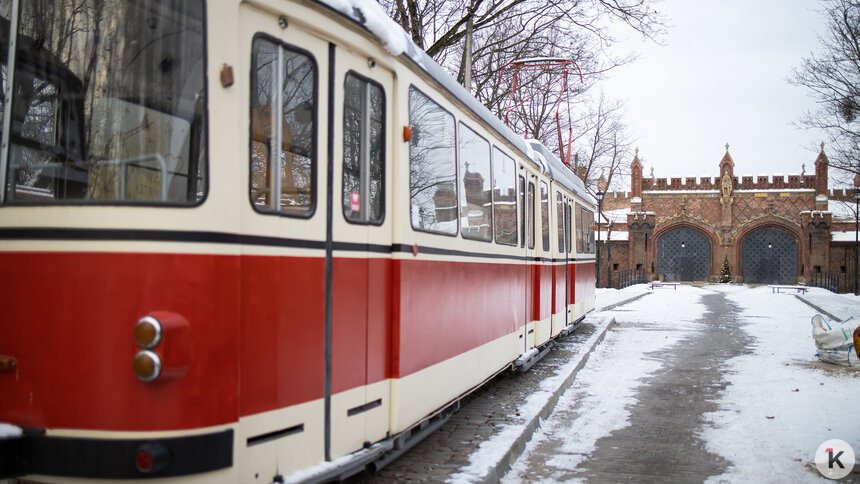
615	305
511	455
813	306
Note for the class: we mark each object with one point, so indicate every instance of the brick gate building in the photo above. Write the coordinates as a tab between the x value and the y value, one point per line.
771	229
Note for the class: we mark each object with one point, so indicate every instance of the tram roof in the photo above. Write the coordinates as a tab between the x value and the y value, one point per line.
369	15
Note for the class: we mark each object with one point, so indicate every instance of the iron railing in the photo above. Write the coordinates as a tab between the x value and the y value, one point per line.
825	280
630	277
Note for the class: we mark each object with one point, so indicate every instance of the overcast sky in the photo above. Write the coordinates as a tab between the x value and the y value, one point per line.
721	76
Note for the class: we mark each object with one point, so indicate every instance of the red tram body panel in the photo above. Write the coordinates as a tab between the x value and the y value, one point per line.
429	332
279	334
67	317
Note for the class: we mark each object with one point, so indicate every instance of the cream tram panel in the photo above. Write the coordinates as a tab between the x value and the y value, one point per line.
417	395
265	221
285	454
351	431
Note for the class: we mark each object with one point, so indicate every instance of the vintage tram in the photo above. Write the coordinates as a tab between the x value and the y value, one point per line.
249	240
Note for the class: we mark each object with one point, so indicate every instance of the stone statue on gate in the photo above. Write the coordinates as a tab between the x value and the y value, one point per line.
727	185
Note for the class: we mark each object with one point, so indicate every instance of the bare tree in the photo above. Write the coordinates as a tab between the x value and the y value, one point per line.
833	77
511	30
507	30
605	144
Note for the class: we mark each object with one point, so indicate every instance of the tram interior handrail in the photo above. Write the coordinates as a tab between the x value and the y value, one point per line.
138	159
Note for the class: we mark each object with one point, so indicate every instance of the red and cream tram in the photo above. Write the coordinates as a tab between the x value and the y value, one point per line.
249	240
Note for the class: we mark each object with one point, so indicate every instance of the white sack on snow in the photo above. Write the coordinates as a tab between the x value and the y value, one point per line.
835	341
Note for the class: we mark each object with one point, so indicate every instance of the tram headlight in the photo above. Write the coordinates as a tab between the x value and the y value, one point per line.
148	332
147	365
163	340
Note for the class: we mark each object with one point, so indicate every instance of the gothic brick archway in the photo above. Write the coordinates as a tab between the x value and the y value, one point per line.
770	255
684	254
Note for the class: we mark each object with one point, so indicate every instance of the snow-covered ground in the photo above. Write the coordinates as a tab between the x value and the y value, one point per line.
604	393
779	403
491	452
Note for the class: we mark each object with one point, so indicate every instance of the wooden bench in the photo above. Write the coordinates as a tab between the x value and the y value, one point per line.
654	284
776	289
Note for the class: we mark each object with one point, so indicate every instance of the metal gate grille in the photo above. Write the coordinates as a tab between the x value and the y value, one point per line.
684	254
769	257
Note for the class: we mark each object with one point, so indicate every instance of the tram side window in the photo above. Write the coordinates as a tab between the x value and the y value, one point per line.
522	211
504	198
363	151
544	215
569	227
531	217
106	108
283	129
559	214
588	230
476	204
580	230
432	166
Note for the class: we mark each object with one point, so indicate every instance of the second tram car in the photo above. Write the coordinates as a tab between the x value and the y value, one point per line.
247	240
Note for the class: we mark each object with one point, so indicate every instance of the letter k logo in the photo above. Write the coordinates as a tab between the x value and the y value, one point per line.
834	459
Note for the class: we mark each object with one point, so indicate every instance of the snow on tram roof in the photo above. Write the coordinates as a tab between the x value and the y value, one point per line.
561	173
370	15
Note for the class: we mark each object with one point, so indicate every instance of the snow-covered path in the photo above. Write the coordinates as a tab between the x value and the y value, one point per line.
714	383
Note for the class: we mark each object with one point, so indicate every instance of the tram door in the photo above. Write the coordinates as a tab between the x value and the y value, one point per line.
523	224
532	266
282	368
571	267
361	240
559	277
543	297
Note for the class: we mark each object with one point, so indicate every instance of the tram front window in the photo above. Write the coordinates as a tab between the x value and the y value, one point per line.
108	102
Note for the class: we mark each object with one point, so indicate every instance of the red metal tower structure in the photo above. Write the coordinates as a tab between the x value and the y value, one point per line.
557	70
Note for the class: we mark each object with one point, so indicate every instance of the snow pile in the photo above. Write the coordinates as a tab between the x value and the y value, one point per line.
780	404
617	216
373	17
843	236
615	236
8	431
526	356
319	471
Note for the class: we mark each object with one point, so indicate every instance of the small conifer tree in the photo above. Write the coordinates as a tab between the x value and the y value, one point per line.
726	272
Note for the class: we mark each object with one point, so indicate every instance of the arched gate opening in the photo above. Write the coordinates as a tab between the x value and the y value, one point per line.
769	256
684	254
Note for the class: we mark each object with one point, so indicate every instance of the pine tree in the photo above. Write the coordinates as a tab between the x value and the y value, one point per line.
726	272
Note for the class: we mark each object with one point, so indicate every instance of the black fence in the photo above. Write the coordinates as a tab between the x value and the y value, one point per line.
630	277
825	280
